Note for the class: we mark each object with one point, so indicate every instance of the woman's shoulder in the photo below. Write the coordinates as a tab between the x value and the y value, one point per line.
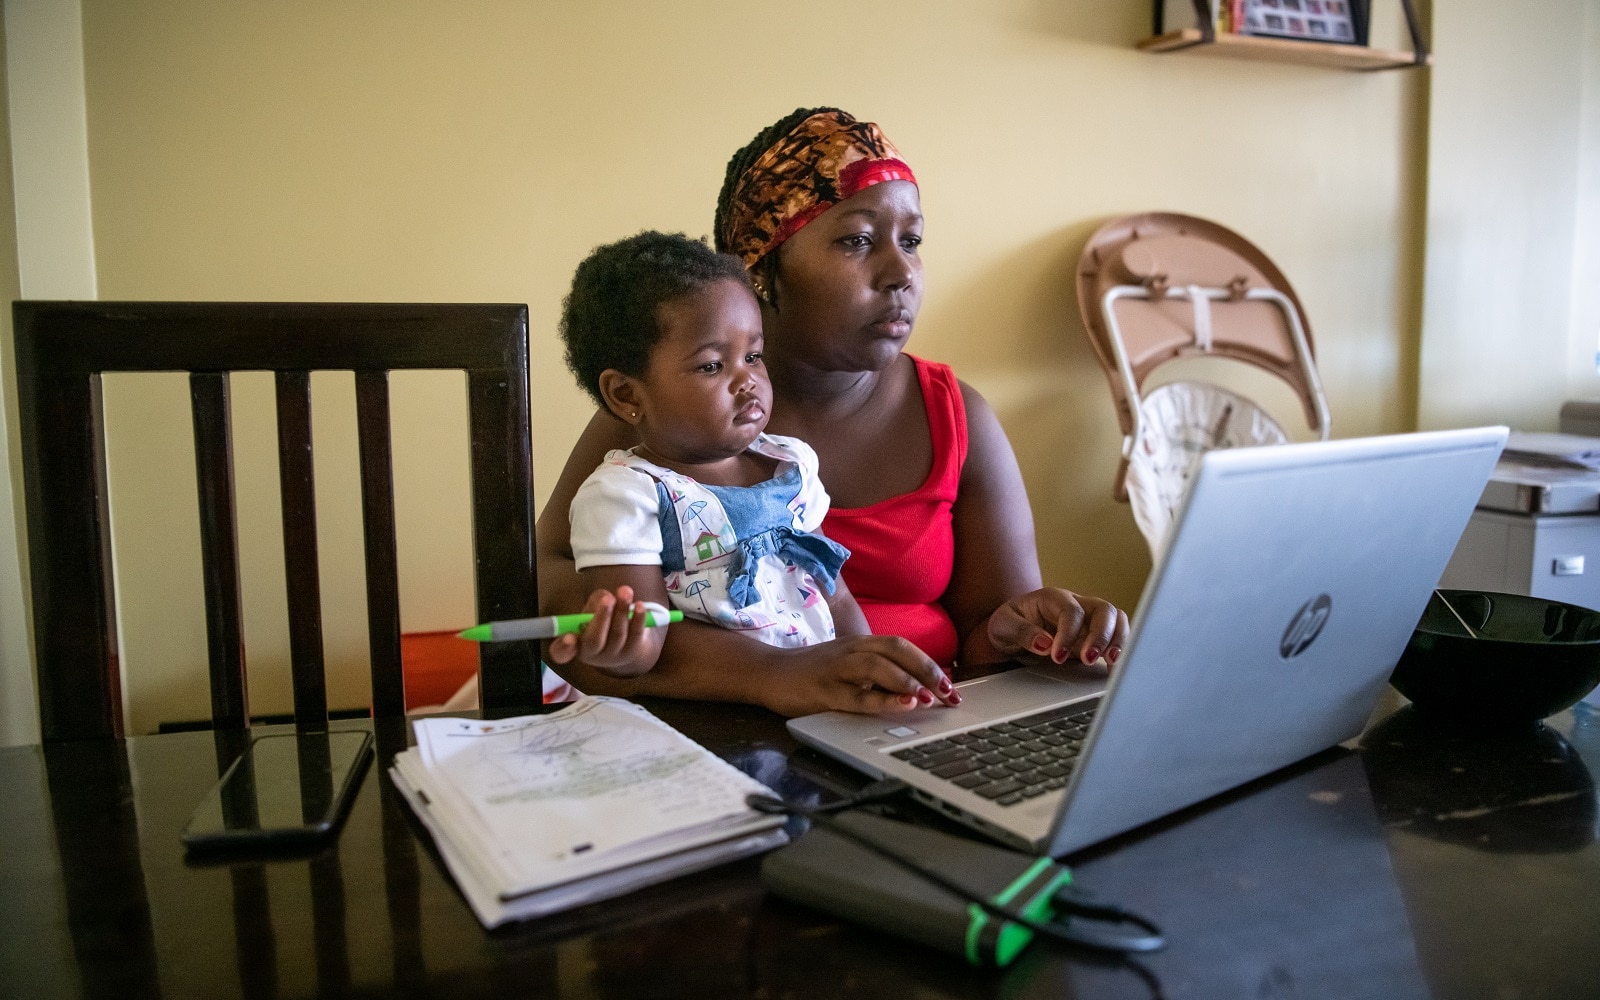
941	389
941	378
927	368
949	403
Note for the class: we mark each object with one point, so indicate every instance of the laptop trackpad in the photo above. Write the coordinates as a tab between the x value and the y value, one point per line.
1029	688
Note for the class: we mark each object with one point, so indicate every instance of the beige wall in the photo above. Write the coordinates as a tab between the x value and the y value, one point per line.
1584	350
411	150
1512	313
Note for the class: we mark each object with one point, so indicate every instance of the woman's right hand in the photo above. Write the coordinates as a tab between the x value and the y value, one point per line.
868	674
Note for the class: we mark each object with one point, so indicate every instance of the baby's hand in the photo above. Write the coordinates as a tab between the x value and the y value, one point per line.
1058	623
617	641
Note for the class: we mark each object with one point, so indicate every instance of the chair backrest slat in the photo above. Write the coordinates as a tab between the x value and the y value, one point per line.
378	531
502	529
219	549
300	570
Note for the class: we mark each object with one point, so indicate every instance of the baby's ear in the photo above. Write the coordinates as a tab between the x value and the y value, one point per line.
623	395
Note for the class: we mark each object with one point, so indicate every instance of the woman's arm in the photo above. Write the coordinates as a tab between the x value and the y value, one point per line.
996	598
875	674
857	674
561	589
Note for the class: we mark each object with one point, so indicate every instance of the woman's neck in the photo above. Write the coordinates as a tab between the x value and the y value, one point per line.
831	395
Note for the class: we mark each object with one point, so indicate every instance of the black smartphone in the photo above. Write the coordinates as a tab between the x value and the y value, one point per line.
285	790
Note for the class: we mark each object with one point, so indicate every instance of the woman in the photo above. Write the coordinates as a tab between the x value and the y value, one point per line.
926	491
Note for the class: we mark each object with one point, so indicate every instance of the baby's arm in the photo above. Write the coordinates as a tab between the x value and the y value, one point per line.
616	542
848	618
615	643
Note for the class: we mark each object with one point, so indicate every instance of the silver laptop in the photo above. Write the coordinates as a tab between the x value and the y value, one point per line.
1292	579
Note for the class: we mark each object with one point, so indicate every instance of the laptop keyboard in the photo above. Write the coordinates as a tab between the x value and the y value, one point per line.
1009	762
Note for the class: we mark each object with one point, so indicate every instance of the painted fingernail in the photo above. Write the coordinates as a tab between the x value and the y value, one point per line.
1041	645
954	698
1091	656
908	700
945	687
1113	653
925	696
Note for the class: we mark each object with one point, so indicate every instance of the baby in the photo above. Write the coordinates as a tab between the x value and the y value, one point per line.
708	513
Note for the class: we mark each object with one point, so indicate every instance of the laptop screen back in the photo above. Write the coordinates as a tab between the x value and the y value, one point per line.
1294	577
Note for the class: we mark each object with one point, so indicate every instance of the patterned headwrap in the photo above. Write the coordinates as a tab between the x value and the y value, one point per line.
823	160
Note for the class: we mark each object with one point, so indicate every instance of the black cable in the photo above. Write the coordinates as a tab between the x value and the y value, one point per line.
1071	901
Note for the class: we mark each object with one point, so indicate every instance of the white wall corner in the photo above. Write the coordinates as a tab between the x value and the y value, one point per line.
1505	116
1585	336
48	138
50	148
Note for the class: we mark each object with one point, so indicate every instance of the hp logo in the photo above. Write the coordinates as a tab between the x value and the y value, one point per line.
1305	626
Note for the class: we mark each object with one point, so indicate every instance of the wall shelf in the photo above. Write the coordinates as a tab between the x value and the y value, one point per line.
1328	54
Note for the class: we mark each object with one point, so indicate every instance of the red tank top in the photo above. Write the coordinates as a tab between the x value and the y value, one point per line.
902	550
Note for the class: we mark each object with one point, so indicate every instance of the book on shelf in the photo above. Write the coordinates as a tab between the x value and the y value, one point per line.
546	812
1341	21
1541	488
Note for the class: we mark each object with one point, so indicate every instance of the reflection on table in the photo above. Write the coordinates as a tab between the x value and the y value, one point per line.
1415	865
1494	840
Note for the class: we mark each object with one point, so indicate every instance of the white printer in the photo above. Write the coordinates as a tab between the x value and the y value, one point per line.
1537	527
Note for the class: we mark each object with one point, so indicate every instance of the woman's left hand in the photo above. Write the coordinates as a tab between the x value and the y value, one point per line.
1058	623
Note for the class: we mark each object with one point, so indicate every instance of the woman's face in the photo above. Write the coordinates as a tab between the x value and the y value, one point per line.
847	287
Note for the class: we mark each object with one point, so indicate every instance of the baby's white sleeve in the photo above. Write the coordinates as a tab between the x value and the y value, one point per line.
812	493
614	519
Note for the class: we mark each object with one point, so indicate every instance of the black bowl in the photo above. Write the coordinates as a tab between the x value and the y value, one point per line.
1485	661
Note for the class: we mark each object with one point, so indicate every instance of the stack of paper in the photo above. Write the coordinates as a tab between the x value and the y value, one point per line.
1540	488
545	812
1571	450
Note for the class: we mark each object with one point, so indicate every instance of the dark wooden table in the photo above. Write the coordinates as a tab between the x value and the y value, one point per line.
1419	865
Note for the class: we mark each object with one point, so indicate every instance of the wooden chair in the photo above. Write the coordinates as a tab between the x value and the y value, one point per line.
61	350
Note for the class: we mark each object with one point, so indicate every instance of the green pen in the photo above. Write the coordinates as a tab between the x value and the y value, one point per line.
553	625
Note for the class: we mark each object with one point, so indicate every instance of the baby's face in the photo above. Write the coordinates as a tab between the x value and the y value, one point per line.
706	394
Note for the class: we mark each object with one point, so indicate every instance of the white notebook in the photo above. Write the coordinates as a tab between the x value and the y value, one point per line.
545	812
